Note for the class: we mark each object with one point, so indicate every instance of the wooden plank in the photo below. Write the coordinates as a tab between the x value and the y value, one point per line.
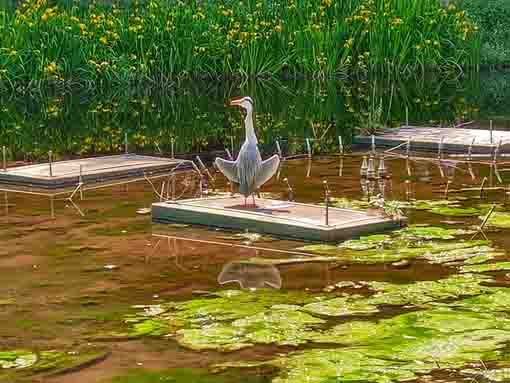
275	217
98	169
429	138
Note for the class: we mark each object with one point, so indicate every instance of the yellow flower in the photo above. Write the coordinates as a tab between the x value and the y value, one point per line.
51	68
44	17
396	21
278	28
103	40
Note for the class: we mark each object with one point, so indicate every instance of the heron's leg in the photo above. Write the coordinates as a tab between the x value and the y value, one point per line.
245	203
253	199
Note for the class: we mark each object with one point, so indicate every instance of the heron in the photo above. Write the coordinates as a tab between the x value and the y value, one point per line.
248	170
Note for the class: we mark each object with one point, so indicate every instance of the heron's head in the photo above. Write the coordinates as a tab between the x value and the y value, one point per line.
244	102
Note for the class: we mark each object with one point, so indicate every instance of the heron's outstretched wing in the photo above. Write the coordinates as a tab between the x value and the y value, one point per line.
267	170
228	168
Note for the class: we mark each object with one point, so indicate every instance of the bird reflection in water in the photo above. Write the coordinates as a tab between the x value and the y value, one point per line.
250	275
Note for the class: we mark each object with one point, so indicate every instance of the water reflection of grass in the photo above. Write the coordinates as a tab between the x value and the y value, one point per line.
197	119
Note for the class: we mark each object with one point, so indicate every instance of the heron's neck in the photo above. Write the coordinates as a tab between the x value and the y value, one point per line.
250	131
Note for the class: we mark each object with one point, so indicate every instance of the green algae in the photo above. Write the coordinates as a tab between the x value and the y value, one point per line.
417	294
17	359
398	249
397	349
500	266
492	375
366	243
432	232
456	211
228	320
499	219
22	364
341	306
282	325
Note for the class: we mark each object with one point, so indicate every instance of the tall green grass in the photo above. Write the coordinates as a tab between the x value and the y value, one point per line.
164	40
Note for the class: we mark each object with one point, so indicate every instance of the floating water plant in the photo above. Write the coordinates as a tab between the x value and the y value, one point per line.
428	242
23	363
499	219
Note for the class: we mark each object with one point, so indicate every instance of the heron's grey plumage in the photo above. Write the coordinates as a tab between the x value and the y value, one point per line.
248	170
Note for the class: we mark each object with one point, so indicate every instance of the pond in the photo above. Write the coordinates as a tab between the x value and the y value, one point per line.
95	292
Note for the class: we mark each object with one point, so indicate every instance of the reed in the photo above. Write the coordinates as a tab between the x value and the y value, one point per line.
161	40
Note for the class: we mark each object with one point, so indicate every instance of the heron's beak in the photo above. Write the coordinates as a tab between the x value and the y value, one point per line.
235	102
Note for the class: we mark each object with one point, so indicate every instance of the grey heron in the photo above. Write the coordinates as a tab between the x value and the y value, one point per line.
248	170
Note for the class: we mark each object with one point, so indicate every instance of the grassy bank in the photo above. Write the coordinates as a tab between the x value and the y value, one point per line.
160	39
493	17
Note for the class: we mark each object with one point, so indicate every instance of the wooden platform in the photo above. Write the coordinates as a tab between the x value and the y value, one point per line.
275	217
455	140
94	170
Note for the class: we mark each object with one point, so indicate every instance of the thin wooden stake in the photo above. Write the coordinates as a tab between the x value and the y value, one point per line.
340	145
309	148
126	149
229	155
440	149
80	180
491	130
50	162
326	200
4	158
470	149
482	186
172	148
279	149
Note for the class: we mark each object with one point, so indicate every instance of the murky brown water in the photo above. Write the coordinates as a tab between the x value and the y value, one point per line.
70	275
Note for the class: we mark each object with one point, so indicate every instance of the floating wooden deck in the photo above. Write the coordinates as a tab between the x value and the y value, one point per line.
455	140
275	217
94	170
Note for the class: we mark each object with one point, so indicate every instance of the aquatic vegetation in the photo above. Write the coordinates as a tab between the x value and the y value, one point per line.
22	363
415	294
500	266
418	343
434	244
232	320
456	211
228	320
499	219
492	375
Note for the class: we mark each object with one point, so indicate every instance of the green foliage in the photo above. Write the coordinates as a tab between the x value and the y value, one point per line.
160	40
493	18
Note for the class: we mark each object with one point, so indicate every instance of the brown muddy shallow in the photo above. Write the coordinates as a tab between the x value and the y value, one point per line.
68	278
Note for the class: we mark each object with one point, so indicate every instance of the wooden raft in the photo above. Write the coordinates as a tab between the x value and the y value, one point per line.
454	140
94	170
275	217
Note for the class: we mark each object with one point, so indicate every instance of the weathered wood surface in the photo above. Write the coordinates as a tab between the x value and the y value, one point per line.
429	138
275	217
98	169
